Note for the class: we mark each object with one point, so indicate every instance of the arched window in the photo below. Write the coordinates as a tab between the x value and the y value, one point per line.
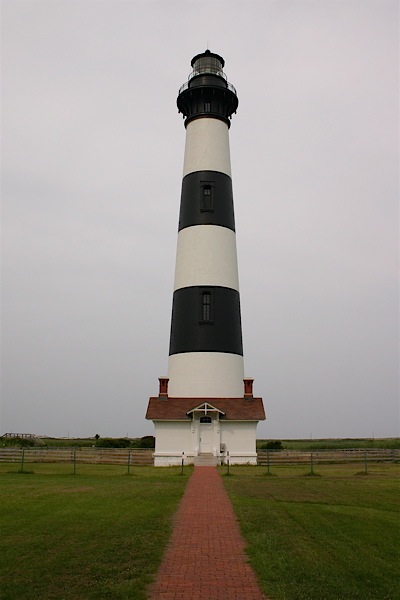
205	420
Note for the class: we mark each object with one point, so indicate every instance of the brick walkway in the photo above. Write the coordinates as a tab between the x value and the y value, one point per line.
205	559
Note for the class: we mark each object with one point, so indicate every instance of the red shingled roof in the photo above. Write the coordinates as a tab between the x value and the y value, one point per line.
234	409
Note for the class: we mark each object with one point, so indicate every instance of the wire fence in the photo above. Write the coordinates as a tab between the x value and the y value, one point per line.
315	458
144	457
294	457
106	456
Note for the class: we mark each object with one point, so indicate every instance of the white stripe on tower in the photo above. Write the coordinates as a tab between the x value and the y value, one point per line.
207	147
206	355
206	255
207	375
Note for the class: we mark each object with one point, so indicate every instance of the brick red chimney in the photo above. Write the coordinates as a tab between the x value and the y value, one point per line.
163	391
248	387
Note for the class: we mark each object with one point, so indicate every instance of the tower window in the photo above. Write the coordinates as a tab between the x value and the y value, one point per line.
207	106
206	308
207	198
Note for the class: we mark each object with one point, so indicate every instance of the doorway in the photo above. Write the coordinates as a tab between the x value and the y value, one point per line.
205	435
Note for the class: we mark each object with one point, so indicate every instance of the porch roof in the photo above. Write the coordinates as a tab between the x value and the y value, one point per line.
232	409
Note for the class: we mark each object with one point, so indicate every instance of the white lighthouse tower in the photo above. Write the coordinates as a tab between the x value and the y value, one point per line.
205	407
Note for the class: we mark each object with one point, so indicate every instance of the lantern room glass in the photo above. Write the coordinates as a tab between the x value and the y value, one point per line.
207	64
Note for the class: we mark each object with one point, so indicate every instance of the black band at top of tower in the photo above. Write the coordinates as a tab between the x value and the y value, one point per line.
207	93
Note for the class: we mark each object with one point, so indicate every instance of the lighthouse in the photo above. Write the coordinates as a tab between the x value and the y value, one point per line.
205	410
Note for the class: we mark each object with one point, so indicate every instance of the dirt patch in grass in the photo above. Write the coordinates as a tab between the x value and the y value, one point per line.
75	490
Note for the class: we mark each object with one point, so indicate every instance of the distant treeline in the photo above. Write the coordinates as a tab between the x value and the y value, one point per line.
329	444
147	441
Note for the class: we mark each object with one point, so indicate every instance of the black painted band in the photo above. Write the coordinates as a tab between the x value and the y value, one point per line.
207	96
218	329
207	199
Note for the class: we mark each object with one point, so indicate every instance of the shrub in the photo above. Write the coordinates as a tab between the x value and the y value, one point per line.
272	445
113	443
17	441
148	441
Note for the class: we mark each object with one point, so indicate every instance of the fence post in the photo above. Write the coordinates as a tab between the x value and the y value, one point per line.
365	463
268	462
74	459
182	460
129	461
22	460
227	460
312	464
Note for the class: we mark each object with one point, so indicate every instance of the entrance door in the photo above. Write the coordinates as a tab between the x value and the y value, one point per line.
205	437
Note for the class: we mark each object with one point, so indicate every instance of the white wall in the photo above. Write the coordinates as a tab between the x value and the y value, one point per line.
173	438
240	440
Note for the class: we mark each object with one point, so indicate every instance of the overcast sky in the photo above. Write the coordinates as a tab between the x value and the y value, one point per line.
91	170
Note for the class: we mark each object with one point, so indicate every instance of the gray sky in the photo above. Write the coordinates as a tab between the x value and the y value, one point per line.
91	173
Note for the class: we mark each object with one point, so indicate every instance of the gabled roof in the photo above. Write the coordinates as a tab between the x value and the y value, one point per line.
181	409
205	407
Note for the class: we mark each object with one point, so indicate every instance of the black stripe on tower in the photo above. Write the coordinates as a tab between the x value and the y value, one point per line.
206	319
207	199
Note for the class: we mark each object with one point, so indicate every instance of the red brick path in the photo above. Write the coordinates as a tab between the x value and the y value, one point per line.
205	559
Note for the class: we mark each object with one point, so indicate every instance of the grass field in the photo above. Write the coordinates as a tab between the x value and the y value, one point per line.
333	537
96	535
100	534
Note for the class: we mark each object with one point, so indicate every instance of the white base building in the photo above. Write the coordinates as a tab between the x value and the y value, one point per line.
209	428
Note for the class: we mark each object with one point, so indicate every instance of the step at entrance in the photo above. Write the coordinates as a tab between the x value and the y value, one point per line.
206	459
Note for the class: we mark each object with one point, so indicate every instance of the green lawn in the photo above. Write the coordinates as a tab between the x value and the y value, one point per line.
334	537
97	535
100	534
